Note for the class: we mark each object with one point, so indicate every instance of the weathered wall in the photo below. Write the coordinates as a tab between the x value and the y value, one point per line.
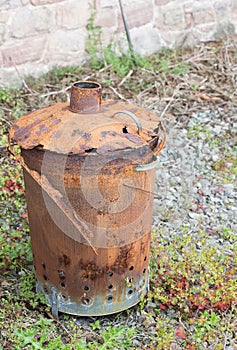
38	34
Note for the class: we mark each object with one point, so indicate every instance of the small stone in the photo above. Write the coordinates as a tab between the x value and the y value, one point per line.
218	129
215	157
193	215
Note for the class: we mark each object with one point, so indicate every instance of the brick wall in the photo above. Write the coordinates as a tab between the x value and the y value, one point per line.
38	34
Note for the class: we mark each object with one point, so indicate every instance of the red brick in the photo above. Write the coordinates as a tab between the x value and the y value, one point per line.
66	45
27	51
108	3
11	4
2	31
29	21
233	14
73	14
222	8
233	10
106	17
203	15
187	39
189	19
43	2
137	14
208	28
162	2
174	18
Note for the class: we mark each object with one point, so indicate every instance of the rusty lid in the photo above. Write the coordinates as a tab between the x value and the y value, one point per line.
87	125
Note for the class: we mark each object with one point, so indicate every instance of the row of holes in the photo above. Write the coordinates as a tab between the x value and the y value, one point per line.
87	288
110	274
87	301
63	284
86	276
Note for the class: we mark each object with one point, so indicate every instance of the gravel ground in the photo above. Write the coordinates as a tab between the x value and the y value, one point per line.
190	180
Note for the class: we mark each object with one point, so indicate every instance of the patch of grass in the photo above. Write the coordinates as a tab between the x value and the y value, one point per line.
57	75
121	63
167	61
197	280
38	336
11	103
196	130
14	238
114	338
192	279
227	165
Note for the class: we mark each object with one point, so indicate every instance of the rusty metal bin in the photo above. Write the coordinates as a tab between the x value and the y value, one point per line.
89	171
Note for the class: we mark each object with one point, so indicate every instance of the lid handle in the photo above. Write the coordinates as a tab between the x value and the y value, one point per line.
133	116
148	166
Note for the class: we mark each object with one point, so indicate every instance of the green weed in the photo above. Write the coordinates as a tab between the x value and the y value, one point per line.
38	336
11	102
94	41
190	279
121	62
226	166
114	338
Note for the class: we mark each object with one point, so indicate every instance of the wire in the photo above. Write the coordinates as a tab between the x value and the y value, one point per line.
128	34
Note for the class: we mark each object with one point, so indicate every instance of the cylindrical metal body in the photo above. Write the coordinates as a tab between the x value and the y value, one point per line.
89	206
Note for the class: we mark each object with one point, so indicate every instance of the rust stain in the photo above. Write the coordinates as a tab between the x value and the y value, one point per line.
64	260
85	95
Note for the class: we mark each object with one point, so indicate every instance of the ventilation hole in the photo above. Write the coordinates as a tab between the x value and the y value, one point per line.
86	288
110	298
61	274
110	286
85	276
46	290
45	277
44	266
125	130
130	280
64	297
145	258
90	150
110	274
130	292
144	270
131	268
63	284
85	301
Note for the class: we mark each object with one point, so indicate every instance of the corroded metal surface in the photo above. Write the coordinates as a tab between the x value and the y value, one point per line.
86	283
89	179
85	95
50	128
100	223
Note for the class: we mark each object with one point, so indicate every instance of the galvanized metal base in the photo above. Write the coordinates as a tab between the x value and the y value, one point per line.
98	306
